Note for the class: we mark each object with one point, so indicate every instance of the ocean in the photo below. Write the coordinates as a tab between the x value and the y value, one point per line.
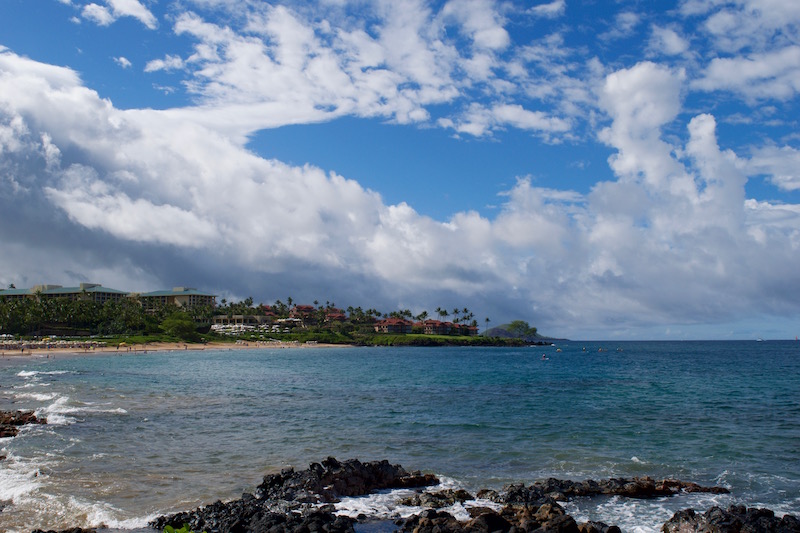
130	437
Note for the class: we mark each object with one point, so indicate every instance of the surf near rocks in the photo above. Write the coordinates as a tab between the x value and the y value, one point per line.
737	518
296	500
10	422
636	487
303	501
534	508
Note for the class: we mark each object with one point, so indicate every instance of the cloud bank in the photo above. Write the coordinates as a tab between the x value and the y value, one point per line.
141	198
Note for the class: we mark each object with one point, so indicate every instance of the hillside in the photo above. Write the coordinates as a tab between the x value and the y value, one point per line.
517	330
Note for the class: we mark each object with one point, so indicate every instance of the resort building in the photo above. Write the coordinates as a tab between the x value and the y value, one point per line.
307	314
85	291
393	325
333	314
181	296
242	320
436	327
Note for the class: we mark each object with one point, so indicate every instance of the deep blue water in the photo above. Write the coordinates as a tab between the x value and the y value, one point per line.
134	436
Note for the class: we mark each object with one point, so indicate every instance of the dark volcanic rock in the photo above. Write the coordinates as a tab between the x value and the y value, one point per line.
301	502
331	479
526	519
561	490
487	523
431	521
736	519
284	501
72	530
250	515
597	527
11	420
436	500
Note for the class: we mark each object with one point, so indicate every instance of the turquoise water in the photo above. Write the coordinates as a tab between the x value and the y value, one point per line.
134	436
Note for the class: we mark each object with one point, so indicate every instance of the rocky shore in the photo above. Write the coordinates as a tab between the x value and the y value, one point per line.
10	422
303	502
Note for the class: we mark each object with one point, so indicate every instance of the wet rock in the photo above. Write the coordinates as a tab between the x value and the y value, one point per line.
302	502
488	494
560	524
475	512
431	521
488	522
71	530
289	501
529	518
562	490
597	527
437	500
331	479
520	495
10	421
736	519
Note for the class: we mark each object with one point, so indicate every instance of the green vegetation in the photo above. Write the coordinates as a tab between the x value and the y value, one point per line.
520	329
411	339
181	325
127	321
184	529
65	317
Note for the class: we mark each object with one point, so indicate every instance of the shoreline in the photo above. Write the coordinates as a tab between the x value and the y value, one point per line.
47	352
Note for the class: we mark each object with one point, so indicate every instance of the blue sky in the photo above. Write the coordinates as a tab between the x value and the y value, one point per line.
600	169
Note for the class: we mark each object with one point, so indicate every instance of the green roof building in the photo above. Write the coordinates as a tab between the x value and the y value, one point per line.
181	296
85	291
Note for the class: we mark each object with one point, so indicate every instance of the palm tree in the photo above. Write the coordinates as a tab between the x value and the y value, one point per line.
487	323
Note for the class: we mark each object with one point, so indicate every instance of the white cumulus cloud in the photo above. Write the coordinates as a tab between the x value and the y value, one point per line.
553	9
160	195
114	9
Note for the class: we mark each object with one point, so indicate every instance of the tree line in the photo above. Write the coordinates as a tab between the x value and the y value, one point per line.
68	317
355	315
39	316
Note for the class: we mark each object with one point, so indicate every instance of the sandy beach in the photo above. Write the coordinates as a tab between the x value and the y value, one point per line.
73	348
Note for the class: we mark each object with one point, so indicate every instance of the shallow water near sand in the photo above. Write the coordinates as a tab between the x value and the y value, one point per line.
131	437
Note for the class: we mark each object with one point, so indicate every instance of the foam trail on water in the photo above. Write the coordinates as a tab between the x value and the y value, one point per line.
18	477
39	397
34	373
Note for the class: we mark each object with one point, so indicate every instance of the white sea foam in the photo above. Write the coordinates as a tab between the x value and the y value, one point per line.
31	385
41	509
639	516
35	396
57	413
102	514
383	504
18	477
386	505
32	373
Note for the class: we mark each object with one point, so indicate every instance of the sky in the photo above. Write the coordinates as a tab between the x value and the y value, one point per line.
611	169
